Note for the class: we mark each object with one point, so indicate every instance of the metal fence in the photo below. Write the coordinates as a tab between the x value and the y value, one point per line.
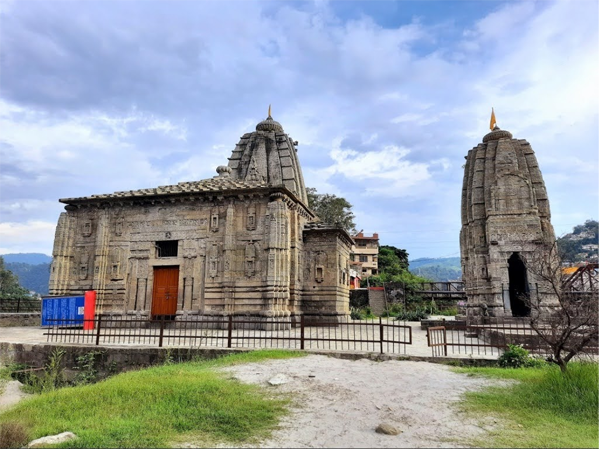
489	338
20	305
375	335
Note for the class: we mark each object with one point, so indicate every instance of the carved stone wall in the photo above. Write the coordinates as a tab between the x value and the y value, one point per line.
505	211
326	272
225	266
240	241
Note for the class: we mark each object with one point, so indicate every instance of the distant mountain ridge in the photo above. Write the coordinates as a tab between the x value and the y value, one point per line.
27	258
32	270
437	269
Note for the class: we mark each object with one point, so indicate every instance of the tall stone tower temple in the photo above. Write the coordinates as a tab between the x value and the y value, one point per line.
505	220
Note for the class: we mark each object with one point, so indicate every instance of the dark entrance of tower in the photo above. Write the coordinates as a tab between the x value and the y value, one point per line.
518	286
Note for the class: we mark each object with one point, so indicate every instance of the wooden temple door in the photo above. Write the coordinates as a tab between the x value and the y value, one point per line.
164	292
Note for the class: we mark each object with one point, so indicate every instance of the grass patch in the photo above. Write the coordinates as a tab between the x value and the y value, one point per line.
151	408
545	409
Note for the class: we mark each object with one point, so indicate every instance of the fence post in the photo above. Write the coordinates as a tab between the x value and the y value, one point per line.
19	304
302	332
99	327
445	341
162	330
229	330
380	335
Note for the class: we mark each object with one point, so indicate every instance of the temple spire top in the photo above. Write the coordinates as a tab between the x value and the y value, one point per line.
492	120
269	111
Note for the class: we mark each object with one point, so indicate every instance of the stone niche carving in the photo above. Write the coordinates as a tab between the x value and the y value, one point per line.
251	218
119	223
116	263
84	261
87	227
320	263
214	220
250	262
214	259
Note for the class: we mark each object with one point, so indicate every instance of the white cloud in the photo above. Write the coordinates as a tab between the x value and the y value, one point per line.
32	236
156	101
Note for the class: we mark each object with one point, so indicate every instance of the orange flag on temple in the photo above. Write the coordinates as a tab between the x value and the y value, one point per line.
492	120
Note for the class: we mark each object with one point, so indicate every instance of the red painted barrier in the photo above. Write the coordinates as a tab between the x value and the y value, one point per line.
89	310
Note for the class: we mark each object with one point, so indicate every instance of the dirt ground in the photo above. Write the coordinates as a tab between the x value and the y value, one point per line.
339	403
10	394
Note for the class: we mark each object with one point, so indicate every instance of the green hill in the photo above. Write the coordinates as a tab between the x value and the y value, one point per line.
437	269
581	245
33	277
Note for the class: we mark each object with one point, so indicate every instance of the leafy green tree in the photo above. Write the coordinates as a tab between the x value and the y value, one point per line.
9	284
332	210
392	260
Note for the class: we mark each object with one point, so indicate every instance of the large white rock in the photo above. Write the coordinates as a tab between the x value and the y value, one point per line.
278	379
52	440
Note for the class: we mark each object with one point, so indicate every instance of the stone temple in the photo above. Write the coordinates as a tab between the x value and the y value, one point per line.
243	242
505	220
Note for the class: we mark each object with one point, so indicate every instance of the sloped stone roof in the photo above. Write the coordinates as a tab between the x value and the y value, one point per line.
216	184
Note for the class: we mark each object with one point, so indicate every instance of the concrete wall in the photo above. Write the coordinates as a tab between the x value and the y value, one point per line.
20	319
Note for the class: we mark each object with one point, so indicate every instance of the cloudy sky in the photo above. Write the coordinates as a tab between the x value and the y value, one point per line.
385	99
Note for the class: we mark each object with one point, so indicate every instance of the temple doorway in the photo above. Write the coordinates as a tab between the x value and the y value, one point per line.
164	292
518	286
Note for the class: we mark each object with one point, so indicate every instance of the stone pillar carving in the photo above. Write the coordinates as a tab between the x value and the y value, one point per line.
101	260
62	253
278	258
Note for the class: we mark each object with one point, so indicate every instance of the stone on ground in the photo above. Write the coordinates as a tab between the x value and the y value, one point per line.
52	440
386	428
278	379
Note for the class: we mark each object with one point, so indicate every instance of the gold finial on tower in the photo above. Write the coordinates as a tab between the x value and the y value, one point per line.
492	120
269	110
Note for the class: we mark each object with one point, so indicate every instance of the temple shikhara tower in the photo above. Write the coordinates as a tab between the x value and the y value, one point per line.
505	222
243	242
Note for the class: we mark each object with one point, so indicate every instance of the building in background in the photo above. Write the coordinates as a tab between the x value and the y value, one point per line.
355	274
365	252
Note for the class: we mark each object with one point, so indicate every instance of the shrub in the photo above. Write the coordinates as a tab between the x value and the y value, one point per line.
413	316
355	314
516	356
13	435
452	311
361	313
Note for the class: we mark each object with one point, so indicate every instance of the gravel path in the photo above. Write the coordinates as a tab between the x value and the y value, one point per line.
339	403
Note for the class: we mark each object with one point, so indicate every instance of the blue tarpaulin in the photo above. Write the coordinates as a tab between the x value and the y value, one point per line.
65	311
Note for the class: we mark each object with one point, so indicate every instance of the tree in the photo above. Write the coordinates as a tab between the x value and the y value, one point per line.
571	325
392	260
332	210
9	284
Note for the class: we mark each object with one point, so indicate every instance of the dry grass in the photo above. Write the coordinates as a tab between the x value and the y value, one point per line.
13	435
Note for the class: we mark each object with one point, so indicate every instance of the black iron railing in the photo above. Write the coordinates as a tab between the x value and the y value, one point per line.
490	337
341	333
20	305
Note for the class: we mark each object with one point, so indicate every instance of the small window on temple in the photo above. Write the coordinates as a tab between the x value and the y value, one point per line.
166	249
